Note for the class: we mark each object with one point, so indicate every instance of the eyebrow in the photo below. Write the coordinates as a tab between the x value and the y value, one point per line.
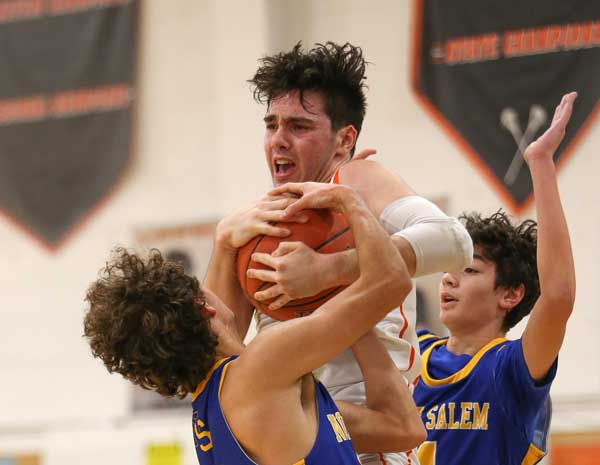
477	256
290	119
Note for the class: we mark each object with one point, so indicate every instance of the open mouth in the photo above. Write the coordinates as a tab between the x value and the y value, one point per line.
283	167
448	298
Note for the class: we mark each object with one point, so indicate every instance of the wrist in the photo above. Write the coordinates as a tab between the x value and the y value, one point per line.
345	265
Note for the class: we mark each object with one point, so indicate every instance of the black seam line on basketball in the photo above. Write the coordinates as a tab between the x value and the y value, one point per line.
250	259
300	304
332	238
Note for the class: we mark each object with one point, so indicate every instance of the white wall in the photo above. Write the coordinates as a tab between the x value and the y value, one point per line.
199	156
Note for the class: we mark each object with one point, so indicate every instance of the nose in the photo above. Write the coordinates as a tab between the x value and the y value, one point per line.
279	139
450	279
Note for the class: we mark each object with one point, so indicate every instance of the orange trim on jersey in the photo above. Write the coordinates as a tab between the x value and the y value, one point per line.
381	459
202	383
336	177
300	462
405	325
412	357
460	374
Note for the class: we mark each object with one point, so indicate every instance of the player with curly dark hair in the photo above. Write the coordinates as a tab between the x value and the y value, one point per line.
484	399
145	323
150	322
512	248
315	106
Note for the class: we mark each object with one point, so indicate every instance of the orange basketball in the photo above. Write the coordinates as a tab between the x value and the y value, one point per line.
325	232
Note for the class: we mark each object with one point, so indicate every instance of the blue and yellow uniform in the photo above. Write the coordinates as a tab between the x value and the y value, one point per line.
481	409
216	444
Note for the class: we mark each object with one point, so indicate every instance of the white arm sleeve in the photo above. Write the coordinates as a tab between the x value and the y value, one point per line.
440	242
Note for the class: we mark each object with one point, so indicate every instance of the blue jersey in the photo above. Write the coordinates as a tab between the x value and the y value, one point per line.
481	409
216	444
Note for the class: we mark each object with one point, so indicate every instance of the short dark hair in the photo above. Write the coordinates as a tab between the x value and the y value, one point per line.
512	248
336	71
146	322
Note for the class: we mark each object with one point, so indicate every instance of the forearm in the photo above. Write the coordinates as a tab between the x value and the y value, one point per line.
554	246
390	421
341	268
221	278
374	431
433	241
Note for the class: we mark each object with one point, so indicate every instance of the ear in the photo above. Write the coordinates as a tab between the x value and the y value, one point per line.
346	139
510	297
209	312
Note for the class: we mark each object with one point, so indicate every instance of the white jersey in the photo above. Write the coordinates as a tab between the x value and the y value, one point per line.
342	376
396	331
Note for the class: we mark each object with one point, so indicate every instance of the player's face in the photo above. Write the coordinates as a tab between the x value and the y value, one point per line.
215	307
300	144
468	300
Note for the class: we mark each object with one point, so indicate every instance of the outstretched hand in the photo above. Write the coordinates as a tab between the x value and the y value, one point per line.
547	143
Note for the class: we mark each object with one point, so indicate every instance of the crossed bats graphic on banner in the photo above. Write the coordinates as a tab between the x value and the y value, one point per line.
510	120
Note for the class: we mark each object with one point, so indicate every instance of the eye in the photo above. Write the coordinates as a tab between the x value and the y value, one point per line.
300	127
471	271
270	126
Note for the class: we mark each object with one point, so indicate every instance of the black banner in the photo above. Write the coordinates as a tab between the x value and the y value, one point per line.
491	73
66	91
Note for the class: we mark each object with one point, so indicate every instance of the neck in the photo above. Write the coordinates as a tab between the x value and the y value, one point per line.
333	168
469	342
229	344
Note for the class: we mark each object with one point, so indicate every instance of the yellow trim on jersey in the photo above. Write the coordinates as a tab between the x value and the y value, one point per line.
300	462
533	455
202	383
223	377
460	374
424	337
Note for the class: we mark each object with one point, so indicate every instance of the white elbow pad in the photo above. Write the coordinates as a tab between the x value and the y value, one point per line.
440	242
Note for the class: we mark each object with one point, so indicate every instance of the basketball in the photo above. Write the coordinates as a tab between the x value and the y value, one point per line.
324	232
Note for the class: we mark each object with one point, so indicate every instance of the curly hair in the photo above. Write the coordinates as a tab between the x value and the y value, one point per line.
512	248
145	322
335	71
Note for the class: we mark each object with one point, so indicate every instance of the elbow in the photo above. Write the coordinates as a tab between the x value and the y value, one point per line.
399	284
417	434
421	435
406	436
562	299
463	246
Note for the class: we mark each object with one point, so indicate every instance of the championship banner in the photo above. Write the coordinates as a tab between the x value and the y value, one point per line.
66	91
491	73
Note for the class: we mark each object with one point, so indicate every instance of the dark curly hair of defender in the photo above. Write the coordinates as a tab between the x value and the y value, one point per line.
145	321
336	71
513	250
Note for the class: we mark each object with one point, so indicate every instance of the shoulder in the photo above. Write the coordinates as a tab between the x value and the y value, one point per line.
426	339
377	185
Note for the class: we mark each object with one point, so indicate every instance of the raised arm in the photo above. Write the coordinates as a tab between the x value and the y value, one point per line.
545	330
390	422
299	346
